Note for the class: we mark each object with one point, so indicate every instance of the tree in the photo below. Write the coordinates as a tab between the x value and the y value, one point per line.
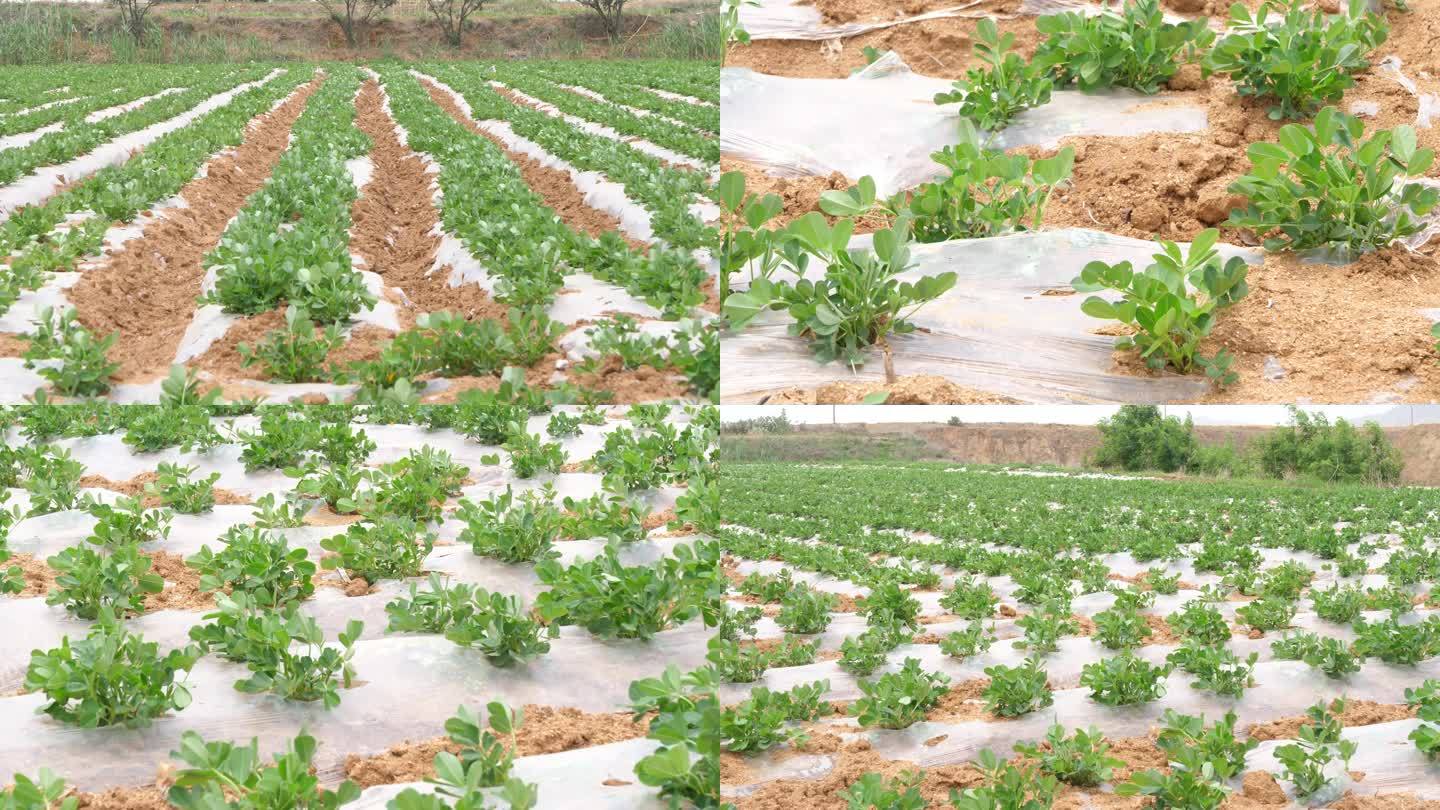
1138	437
352	15
611	13
452	16
132	16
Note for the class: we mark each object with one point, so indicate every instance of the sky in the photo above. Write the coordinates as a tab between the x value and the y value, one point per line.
1387	415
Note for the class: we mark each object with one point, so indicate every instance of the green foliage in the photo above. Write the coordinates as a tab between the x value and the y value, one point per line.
186	426
993	95
259	563
510	527
973	640
899	699
493	623
875	791
1081	759
45	792
287	656
388	548
1006	786
970	599
1326	185
110	677
1124	680
1139	438
296	353
1312	446
1130	46
1294	55
175	488
858	304
686	767
608	598
226	776
1172	304
81	366
805	610
90	584
1017	690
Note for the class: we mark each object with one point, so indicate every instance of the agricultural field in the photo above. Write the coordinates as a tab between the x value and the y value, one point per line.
1185	201
911	635
376	606
340	232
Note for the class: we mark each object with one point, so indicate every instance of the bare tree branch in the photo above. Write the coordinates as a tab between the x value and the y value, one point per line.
611	14
132	15
452	15
350	15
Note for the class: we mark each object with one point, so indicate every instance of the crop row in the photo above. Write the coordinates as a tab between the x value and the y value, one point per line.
79	136
1195	591
615	87
651	128
268	624
291	240
119	193
665	192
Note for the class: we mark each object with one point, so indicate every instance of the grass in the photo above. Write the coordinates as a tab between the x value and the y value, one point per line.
824	447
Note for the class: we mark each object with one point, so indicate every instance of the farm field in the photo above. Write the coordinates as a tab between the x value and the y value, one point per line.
926	634
401	611
1040	157
359	232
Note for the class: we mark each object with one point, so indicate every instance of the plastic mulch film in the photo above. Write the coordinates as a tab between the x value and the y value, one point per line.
601	777
1012	325
40	184
883	122
794	19
427	674
1283	689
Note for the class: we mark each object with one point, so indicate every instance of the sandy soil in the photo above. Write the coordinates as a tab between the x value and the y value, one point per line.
120	295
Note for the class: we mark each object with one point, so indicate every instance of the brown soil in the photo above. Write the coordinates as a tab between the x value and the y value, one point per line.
1388	801
12	345
38	576
798	195
919	389
846	11
1257	789
133	798
962	702
323	515
546	730
182	590
131	487
644	384
1342	334
942	48
1357	713
394	218
554	186
121	294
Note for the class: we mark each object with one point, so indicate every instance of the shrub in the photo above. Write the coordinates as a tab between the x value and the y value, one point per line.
1138	438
